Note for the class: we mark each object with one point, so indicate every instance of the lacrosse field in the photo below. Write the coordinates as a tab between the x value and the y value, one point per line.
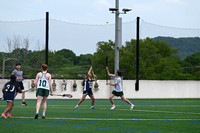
148	116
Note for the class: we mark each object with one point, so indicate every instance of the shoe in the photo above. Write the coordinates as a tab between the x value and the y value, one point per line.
3	115
93	107
36	116
76	107
113	107
132	106
9	115
24	103
43	116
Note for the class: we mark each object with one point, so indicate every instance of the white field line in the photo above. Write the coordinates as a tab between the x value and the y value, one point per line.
157	111
109	119
150	111
117	105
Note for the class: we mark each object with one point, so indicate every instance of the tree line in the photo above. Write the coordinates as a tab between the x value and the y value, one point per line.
158	61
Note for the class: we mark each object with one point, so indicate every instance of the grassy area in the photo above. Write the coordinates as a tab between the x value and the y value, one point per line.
148	116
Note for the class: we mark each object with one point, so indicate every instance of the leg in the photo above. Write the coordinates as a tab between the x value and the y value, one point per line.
111	98
126	100
93	99
9	107
39	99
23	96
44	105
82	99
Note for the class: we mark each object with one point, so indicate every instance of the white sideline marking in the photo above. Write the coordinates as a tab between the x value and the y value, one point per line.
118	105
136	105
109	119
157	111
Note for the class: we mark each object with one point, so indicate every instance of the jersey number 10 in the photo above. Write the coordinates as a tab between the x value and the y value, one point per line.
43	83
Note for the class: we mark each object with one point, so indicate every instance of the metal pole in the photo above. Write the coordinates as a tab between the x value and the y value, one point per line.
3	68
47	38
137	55
116	36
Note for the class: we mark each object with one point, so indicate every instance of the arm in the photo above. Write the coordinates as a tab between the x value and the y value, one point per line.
36	80
95	78
108	72
20	91
3	89
90	70
14	72
112	84
50	85
115	83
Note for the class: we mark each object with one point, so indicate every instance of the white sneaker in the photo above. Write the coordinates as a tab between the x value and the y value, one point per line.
132	106
113	107
76	107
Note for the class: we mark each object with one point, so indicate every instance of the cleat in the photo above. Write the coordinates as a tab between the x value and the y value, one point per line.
93	107
76	107
113	107
36	116
132	106
24	103
3	115
9	115
43	117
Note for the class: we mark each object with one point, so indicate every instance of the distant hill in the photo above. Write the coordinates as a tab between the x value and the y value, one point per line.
185	46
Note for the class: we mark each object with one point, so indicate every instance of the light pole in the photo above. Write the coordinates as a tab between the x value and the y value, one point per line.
3	68
118	31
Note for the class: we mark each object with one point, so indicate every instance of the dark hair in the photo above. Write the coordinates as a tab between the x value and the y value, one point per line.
83	82
18	64
12	82
119	73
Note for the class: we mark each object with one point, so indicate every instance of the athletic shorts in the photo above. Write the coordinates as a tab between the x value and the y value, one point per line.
8	99
21	86
42	92
118	94
87	92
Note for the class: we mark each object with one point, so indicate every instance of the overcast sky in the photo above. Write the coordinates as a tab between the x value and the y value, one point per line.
172	13
82	39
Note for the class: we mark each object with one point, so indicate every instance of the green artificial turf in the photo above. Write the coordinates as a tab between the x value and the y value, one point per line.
148	116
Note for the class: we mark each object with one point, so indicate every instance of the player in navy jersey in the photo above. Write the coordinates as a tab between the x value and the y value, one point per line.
9	92
87	88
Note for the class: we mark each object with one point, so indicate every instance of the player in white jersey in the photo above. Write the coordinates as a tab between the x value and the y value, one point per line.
43	85
117	89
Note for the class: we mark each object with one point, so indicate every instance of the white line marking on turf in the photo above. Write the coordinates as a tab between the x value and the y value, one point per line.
109	119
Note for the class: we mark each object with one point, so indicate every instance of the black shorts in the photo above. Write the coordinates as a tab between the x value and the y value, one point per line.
87	92
21	86
118	94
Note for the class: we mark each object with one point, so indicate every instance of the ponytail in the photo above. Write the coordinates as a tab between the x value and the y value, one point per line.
12	82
